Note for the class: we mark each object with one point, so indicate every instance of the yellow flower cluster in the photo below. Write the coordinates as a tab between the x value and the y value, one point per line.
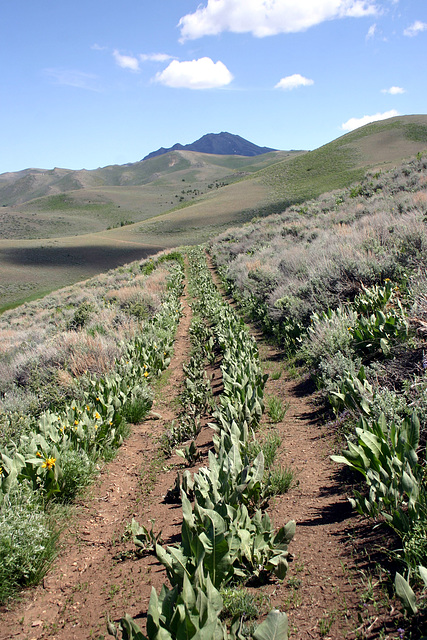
49	463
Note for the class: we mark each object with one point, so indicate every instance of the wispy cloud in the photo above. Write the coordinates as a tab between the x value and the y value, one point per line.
394	91
371	32
263	18
355	123
293	82
126	62
195	74
415	28
73	78
98	47
155	57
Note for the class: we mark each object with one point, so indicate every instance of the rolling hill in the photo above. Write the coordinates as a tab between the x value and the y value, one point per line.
109	216
22	186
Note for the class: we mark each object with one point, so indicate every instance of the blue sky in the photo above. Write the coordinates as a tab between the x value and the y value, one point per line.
90	83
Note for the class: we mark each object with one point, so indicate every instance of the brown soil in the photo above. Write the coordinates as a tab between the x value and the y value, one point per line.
327	592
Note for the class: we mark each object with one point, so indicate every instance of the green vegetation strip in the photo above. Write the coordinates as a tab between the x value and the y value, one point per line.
226	538
53	459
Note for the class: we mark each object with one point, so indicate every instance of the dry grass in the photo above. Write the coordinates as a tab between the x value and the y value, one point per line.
313	257
88	354
81	329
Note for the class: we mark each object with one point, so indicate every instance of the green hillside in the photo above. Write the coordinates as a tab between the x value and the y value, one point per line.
345	160
178	198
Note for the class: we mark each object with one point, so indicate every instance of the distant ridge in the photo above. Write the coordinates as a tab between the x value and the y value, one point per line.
223	144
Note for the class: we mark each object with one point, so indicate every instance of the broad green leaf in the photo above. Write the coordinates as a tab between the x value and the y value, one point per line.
274	627
153	614
405	593
130	630
423	573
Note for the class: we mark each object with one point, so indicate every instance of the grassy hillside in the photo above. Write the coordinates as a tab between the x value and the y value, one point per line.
120	194
23	186
345	160
30	268
187	197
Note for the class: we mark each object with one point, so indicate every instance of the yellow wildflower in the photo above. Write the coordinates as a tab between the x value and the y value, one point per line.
146	374
97	416
38	454
49	463
76	422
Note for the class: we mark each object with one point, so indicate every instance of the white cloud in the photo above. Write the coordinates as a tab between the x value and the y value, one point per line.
268	17
195	74
415	29
355	123
394	91
155	57
294	81
126	62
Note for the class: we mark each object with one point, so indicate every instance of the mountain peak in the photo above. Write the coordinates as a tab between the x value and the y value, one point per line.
224	144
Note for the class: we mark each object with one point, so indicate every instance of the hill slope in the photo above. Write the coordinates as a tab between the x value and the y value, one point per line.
187	198
379	145
22	186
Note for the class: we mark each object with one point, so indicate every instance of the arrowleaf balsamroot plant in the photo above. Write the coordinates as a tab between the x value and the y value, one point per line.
225	536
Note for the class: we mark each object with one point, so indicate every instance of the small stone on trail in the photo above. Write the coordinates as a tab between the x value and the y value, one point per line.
37	623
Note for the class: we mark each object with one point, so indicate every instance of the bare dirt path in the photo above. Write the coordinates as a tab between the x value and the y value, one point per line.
95	576
319	594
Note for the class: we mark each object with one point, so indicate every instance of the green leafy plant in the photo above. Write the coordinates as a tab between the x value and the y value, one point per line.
190	453
355	393
275	409
145	540
405	592
386	457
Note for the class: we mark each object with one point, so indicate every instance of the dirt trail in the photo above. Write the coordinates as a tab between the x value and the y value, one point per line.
318	594
95	575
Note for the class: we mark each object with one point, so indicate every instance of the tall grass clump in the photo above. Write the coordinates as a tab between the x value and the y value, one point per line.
27	540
